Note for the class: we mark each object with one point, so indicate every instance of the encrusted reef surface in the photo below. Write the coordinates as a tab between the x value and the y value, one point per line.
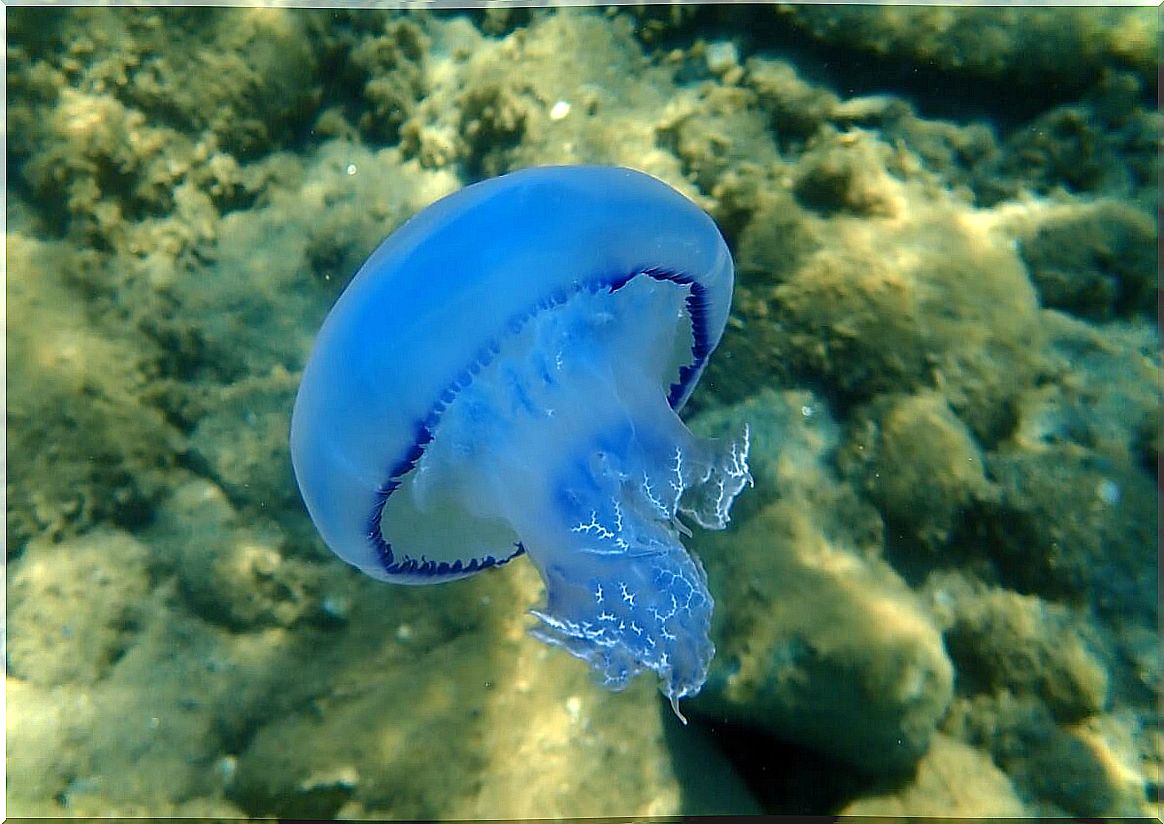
940	598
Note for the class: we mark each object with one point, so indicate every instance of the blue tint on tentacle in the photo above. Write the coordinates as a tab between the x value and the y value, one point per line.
626	614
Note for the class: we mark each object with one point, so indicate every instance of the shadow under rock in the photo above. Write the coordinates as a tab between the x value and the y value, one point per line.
783	778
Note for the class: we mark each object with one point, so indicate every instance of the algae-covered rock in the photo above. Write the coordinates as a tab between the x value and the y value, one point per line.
922	291
117	109
953	780
1083	148
1098	65
844	174
1071	525
251	463
918	461
74	608
797	108
247	583
448	709
276	269
1076	506
234	570
117	702
98	162
251	79
819	641
85	445
1019	45
1096	261
1061	771
819	645
714	131
773	238
1002	640
391	66
1103	392
585	93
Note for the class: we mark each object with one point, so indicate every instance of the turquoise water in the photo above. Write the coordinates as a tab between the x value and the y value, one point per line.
940	597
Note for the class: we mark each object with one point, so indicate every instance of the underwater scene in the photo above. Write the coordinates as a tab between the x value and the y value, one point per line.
790	445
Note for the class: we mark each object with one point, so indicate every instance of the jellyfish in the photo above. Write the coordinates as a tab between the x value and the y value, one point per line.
503	376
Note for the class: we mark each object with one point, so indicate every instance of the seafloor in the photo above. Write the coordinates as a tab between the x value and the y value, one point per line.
940	598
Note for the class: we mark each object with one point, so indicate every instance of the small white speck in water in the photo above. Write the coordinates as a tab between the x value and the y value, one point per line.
335	608
403	632
227	766
721	56
559	110
807	411
574	708
1108	491
351	170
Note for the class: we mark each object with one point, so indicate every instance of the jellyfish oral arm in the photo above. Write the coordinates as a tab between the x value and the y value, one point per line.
572	443
622	592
